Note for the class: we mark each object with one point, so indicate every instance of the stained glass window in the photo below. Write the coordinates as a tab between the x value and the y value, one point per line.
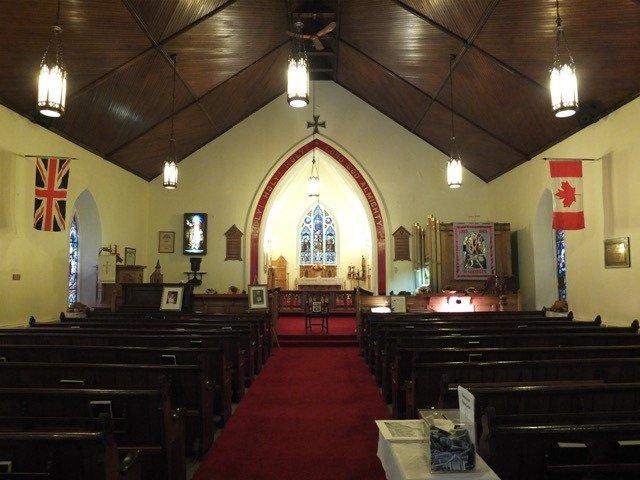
561	265
318	238
74	261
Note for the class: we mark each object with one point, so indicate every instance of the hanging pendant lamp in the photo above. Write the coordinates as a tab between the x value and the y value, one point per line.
298	73
454	165
563	79
170	172
313	185
52	81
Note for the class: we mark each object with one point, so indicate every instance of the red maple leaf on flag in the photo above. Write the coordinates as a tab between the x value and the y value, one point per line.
567	193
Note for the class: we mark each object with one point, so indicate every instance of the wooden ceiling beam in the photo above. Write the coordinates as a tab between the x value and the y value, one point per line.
337	43
198	99
154	44
482	129
474	33
444	29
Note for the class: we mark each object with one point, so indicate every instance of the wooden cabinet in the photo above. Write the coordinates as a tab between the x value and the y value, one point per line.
280	278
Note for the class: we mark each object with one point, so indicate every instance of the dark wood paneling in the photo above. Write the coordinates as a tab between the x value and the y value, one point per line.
404	43
516	111
234	38
124	105
98	35
480	153
146	154
228	104
248	91
460	16
165	17
603	35
383	90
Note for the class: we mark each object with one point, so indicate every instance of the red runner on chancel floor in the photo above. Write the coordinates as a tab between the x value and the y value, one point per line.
337	326
309	415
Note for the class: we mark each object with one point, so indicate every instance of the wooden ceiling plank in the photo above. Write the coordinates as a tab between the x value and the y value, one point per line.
142	134
197	22
481	22
506	66
337	43
492	135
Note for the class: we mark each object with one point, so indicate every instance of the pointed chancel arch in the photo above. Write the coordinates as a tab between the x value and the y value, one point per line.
360	180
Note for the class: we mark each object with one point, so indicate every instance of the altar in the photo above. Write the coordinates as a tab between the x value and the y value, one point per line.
319	283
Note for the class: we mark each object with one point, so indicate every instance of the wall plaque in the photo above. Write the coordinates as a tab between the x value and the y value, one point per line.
616	253
401	244
234	243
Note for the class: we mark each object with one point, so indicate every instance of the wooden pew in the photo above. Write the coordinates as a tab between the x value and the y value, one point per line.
79	455
254	344
227	341
430	383
385	337
242	343
221	367
261	319
382	344
191	386
516	446
143	421
399	370
553	397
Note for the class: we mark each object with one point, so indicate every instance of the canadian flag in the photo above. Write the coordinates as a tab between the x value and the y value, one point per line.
566	177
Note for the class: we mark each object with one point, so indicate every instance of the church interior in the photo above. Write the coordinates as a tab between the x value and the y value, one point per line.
309	239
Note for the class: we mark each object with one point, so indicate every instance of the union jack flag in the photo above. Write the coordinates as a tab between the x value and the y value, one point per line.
50	207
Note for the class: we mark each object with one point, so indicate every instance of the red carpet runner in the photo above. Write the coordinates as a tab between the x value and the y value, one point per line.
309	415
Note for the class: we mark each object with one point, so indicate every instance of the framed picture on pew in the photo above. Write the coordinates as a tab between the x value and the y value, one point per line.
258	297
172	299
398	303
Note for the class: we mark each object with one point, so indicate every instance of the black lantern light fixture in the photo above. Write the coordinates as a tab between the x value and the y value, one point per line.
298	72
170	172
563	79
52	81
454	165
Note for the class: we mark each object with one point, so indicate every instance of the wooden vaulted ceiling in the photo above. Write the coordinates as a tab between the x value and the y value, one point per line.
393	54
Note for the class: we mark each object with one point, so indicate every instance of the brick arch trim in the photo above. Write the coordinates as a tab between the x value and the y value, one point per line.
366	189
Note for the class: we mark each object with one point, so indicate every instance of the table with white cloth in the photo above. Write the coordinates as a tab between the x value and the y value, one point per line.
408	461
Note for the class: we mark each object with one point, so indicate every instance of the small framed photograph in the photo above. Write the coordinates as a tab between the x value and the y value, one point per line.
166	242
258	297
316	307
172	298
398	304
129	256
617	253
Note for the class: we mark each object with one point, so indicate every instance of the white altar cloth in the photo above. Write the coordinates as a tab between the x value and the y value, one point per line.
408	461
320	281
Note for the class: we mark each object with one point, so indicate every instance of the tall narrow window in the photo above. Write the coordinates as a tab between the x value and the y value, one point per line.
74	260
318	238
561	265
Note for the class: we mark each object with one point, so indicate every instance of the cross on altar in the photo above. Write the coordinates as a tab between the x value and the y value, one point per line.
316	124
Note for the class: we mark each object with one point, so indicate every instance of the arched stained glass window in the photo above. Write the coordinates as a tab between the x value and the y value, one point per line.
561	265
74	260
318	238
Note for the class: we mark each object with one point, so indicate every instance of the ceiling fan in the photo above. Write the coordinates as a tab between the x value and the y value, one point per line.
315	39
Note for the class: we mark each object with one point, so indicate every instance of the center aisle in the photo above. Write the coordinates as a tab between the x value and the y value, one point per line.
309	415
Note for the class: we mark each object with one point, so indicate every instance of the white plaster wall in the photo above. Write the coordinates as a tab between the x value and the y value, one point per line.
41	258
611	196
223	179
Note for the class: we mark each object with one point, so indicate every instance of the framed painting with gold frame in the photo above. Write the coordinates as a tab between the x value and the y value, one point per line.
617	253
